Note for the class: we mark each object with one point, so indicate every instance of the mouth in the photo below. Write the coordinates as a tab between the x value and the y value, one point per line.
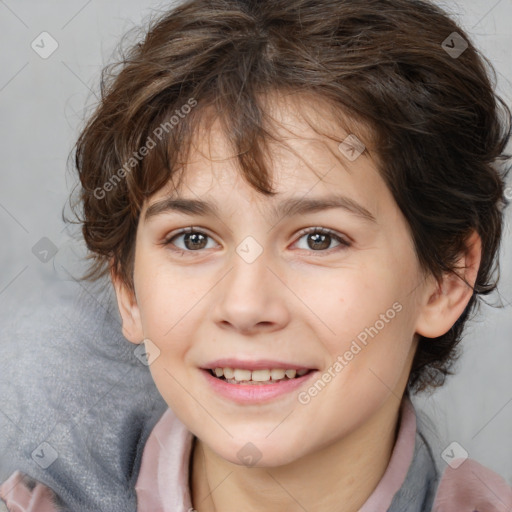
257	377
255	382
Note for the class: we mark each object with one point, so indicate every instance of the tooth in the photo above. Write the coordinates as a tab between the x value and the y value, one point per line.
290	373
302	372
277	374
219	372
242	375
261	375
229	373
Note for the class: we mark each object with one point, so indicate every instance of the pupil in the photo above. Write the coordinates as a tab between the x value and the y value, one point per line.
324	237
194	238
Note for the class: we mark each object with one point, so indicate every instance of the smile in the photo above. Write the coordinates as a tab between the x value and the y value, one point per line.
257	377
244	386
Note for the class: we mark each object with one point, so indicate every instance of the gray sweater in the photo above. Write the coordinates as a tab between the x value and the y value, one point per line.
76	405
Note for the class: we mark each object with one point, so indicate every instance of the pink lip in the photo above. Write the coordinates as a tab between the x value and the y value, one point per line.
253	393
260	364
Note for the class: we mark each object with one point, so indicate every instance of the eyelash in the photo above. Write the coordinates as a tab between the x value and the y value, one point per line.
343	242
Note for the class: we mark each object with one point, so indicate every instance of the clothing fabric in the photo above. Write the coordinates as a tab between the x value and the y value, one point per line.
69	378
412	482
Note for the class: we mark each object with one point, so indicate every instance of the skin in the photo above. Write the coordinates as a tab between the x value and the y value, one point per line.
296	303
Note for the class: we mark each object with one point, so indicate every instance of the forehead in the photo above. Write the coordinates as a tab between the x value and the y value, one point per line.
308	172
301	149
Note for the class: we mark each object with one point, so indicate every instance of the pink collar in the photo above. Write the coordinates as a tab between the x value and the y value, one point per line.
162	485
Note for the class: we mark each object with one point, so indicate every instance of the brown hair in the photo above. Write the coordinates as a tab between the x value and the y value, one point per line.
433	117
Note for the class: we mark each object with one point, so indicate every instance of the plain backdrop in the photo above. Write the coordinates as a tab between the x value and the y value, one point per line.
42	107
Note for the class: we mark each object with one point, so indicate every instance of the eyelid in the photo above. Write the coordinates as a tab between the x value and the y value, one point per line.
302	232
181	231
326	231
343	240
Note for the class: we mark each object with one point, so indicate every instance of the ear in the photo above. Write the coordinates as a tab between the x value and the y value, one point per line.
445	301
128	308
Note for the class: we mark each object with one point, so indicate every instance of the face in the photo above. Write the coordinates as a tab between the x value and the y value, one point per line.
330	292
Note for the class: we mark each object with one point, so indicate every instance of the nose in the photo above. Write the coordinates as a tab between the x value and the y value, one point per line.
252	297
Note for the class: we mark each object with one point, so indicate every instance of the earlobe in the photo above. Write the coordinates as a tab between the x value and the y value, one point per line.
446	300
128	308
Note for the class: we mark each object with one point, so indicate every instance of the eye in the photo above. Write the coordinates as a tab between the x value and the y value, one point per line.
321	238
194	240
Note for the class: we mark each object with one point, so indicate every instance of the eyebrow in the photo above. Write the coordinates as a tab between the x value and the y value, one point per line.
286	208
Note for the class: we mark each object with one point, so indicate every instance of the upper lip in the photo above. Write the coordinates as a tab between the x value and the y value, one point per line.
258	364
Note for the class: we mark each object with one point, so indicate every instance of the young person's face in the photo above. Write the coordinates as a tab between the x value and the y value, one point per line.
252	290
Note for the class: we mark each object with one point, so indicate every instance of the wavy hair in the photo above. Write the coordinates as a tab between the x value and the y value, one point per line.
438	128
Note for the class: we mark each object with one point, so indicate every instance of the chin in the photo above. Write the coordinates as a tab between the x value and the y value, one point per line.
258	454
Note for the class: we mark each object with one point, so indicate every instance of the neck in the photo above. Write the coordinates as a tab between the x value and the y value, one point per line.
338	477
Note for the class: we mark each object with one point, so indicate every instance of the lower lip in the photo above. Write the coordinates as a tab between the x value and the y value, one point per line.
254	393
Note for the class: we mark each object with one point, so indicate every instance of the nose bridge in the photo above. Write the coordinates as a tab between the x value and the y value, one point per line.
249	295
250	267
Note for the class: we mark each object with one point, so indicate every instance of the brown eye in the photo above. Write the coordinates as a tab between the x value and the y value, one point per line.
320	239
193	240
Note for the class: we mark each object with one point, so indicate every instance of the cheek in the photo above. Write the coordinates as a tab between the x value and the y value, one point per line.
351	303
165	297
369	331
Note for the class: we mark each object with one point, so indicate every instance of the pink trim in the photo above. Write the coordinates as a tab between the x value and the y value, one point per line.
162	485
472	488
19	498
401	459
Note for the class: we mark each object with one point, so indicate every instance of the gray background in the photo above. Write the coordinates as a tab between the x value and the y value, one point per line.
43	106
